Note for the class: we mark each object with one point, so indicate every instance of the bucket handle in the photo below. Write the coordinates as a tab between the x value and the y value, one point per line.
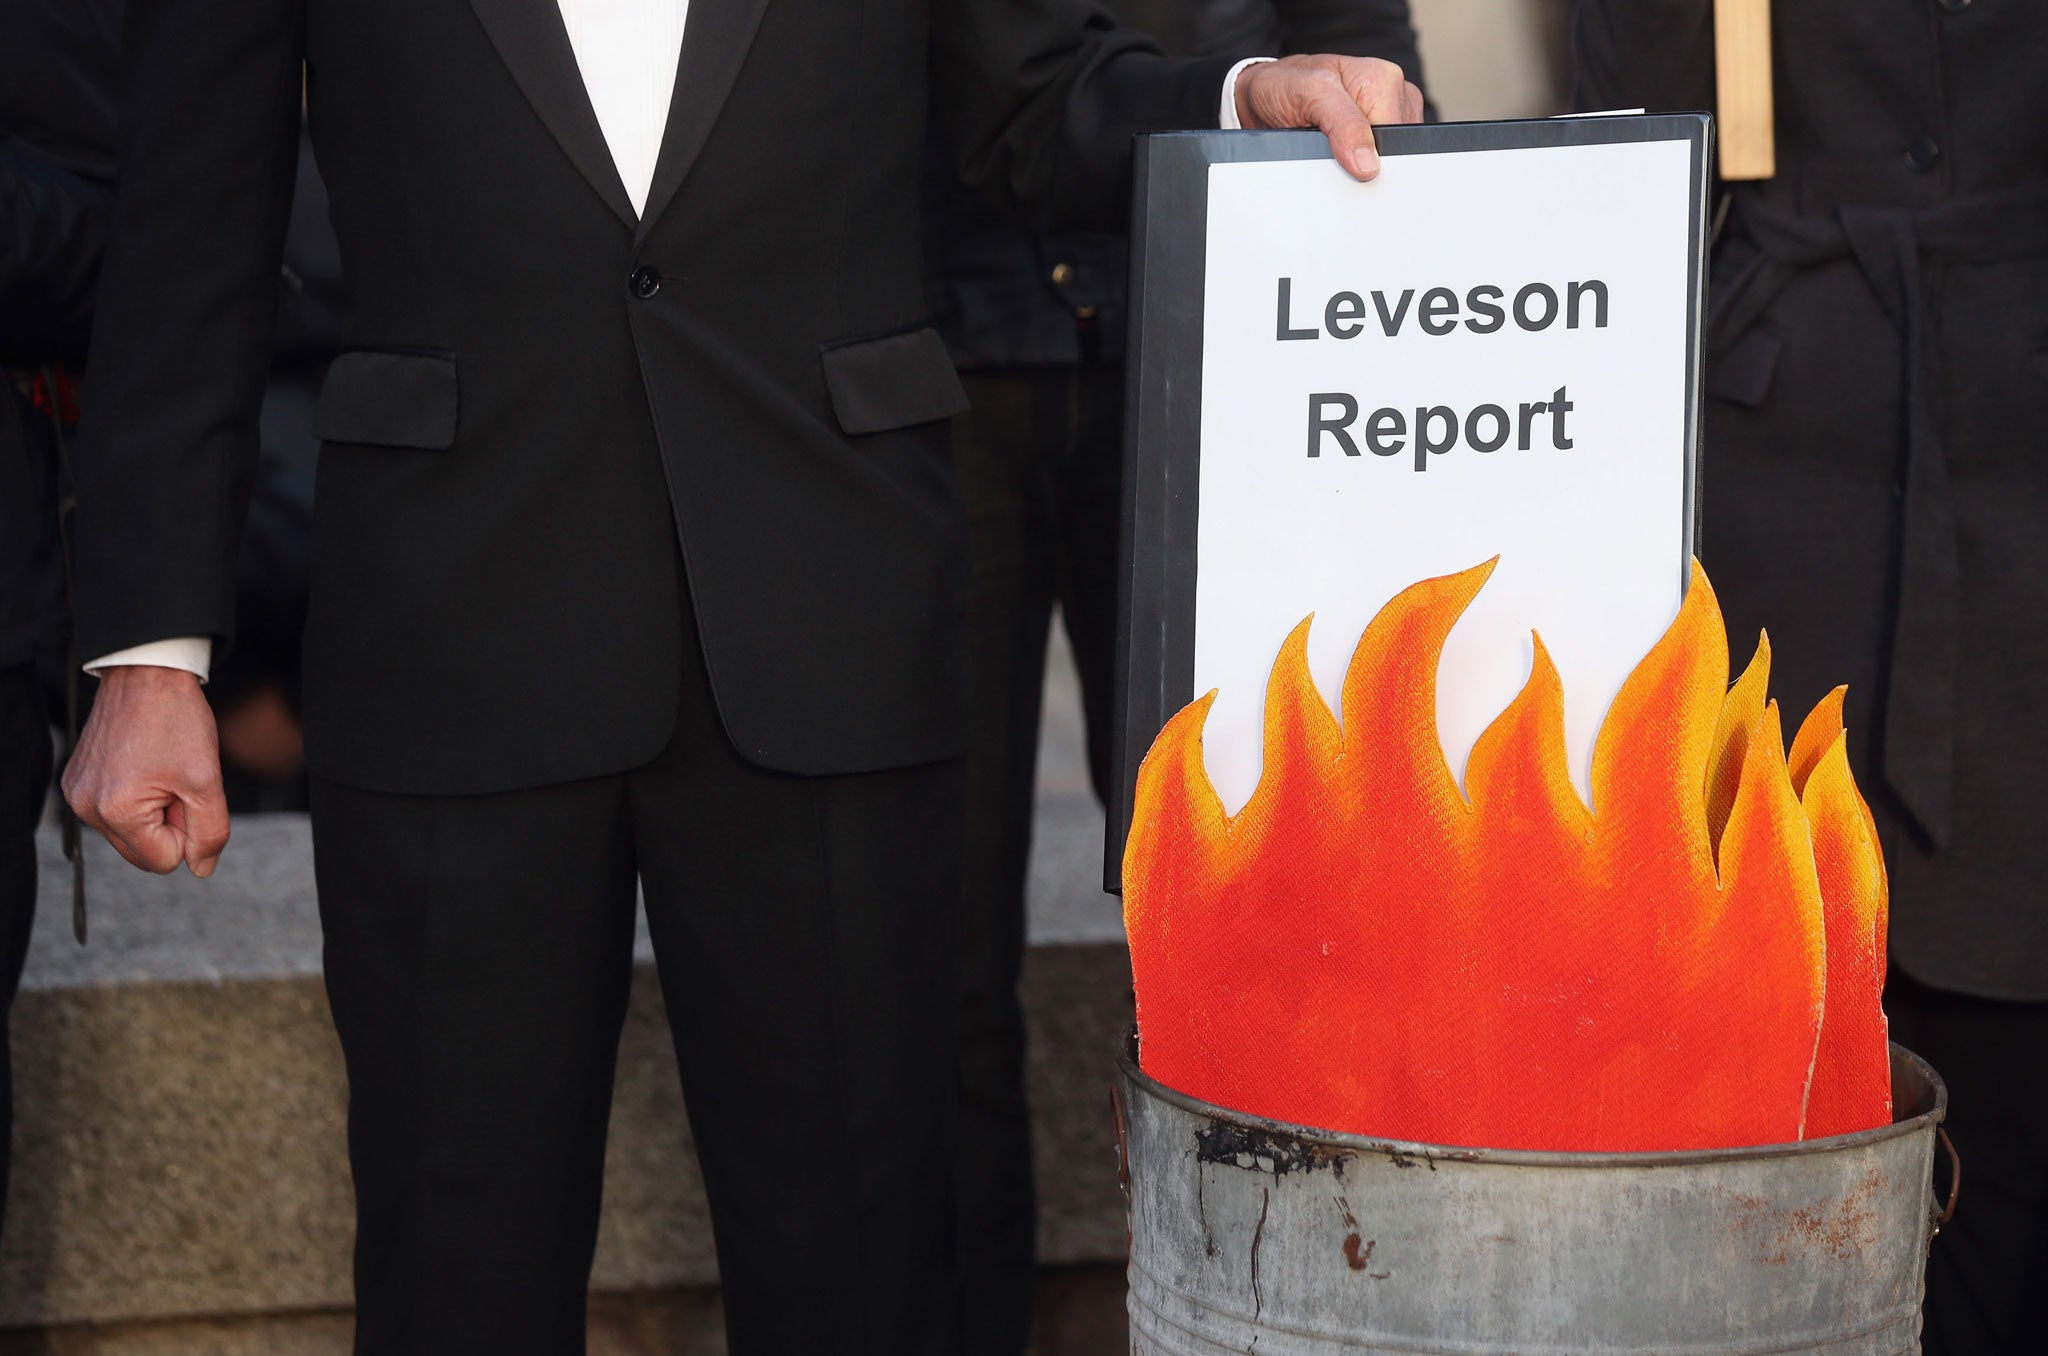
1955	1181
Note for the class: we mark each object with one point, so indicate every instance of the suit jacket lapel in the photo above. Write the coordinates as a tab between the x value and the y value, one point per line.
535	47
715	41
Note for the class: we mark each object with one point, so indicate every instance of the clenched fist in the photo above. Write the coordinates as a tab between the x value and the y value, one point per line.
146	773
1339	95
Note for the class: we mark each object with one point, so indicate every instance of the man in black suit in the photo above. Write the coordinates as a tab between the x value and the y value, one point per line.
637	555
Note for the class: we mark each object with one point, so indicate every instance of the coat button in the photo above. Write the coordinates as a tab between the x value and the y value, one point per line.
644	283
1062	274
1952	6
1922	154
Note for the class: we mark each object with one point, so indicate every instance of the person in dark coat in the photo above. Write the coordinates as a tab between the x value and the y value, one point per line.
57	64
1035	321
1875	468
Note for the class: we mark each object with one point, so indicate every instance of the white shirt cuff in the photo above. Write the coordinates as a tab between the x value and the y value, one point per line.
193	654
1226	116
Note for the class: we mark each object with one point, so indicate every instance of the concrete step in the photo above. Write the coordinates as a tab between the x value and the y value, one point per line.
180	1102
1080	1312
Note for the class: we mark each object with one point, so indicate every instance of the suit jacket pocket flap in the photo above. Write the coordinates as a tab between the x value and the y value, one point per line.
892	382
389	400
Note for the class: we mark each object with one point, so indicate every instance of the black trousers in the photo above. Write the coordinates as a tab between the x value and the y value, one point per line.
1041	476
24	783
478	953
1987	1275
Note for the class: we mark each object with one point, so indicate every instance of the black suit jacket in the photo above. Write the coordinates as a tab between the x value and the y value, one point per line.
552	418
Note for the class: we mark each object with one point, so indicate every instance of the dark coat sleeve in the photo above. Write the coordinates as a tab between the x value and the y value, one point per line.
52	227
1039	101
187	304
1653	54
1371	28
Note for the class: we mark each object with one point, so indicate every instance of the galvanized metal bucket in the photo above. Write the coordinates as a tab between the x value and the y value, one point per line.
1249	1235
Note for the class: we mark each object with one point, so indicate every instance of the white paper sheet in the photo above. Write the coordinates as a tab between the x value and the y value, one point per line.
1590	538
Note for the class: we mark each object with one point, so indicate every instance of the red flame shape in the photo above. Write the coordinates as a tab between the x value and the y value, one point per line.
1695	963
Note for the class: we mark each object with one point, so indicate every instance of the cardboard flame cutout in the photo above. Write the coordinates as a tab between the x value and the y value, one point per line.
1694	963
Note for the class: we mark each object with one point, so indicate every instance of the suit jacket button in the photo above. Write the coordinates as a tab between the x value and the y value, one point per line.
1921	155
644	283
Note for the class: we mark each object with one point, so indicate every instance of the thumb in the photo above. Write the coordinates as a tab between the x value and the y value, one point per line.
201	818
1335	111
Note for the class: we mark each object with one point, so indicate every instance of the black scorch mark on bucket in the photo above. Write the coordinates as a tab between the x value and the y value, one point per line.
1241	1146
1279	1153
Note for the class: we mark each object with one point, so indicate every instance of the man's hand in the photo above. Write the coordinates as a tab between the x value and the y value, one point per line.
1341	96
146	772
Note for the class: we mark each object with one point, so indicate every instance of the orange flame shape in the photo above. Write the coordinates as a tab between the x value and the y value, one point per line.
1696	964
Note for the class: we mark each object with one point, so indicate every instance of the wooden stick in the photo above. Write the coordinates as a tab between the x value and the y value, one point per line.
1742	60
